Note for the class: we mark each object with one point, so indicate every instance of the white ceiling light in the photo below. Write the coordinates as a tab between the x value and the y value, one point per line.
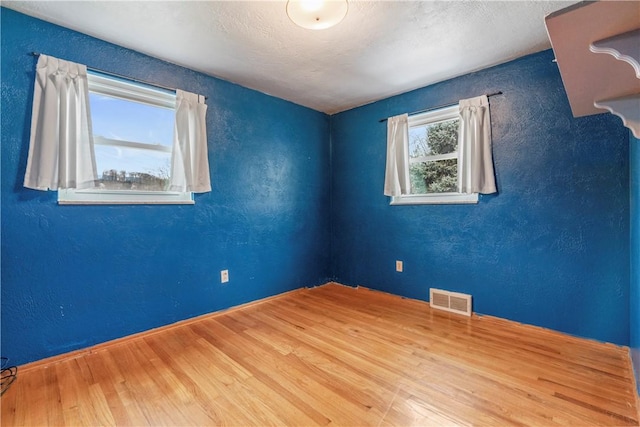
317	14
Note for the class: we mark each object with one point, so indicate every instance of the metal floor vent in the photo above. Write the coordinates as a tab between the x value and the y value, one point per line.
450	301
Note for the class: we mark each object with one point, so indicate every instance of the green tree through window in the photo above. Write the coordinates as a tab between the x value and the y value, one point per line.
429	172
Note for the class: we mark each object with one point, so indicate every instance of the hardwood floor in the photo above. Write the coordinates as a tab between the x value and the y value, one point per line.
333	355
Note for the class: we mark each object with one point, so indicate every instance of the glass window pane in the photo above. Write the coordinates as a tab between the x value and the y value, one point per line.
116	118
123	168
432	139
434	177
418	142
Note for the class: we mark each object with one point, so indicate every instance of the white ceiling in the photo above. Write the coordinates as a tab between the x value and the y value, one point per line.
381	48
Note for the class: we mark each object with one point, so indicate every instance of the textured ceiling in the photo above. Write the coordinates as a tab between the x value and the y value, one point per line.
380	49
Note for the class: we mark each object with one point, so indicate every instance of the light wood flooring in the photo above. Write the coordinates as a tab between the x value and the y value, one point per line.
333	355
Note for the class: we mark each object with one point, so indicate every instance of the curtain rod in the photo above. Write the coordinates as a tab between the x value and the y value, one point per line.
120	76
440	106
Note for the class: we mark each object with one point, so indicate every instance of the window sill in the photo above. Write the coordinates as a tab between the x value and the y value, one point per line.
435	199
114	197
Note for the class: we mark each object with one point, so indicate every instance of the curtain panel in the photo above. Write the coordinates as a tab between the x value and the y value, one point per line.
61	142
190	161
475	157
396	178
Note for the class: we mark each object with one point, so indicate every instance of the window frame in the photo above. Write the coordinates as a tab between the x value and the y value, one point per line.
107	85
427	118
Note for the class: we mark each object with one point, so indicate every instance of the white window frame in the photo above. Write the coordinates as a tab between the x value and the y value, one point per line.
426	118
128	91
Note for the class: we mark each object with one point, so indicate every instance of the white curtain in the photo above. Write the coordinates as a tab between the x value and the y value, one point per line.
475	159
396	178
190	162
61	144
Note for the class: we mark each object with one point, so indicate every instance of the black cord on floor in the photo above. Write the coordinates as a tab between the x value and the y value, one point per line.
7	376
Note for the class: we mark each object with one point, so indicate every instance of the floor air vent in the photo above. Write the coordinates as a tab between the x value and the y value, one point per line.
450	301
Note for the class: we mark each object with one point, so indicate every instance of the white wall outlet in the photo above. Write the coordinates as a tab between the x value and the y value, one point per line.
224	276
399	266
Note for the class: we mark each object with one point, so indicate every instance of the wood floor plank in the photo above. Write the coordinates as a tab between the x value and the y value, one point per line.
106	379
333	355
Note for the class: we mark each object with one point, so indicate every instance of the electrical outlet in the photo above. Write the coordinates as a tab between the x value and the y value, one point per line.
224	276
399	266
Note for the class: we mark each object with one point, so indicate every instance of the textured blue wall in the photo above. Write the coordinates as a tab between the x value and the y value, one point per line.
634	287
551	249
73	276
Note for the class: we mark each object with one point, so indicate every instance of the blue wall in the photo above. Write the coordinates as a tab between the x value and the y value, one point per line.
551	249
73	276
634	288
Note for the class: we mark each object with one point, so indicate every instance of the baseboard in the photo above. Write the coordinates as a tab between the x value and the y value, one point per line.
490	318
107	344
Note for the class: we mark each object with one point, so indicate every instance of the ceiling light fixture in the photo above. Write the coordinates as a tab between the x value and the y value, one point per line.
317	14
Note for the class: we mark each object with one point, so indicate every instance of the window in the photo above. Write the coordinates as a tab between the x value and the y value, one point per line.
133	131
433	159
